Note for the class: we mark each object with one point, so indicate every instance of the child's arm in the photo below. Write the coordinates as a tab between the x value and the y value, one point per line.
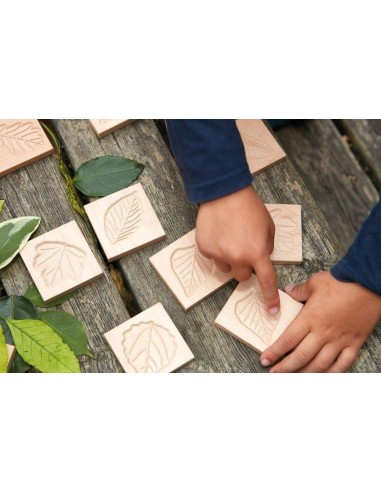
342	308
233	226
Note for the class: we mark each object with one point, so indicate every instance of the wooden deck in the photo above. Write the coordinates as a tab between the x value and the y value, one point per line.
325	173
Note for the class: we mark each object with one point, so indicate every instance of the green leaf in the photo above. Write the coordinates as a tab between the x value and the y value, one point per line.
14	234
105	175
16	307
69	328
1	205
40	346
3	353
33	295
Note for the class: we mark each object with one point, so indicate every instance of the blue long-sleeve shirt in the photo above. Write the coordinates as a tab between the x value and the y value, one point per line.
212	162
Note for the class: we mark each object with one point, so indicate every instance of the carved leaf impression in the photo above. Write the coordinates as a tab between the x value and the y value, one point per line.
191	268
58	262
123	218
148	347
251	312
19	136
254	148
285	230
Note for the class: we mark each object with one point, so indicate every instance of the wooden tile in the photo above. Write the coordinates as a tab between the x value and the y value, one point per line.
149	342
189	275
125	221
105	127
11	353
261	148
245	316
60	261
21	142
288	234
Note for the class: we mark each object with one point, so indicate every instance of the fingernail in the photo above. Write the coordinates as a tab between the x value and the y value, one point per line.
289	287
274	310
265	362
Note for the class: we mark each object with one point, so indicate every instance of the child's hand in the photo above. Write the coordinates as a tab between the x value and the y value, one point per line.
329	330
237	232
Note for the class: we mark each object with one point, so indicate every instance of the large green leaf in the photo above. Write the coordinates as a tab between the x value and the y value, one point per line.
14	234
40	346
1	205
34	296
69	328
105	175
3	353
16	307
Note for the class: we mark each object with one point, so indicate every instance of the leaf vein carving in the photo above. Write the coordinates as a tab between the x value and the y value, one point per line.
191	268
252	313
58	261
123	218
255	148
19	137
148	347
285	230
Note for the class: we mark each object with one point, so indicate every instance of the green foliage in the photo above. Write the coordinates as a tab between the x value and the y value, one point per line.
107	174
3	353
69	328
34	296
40	346
1	205
14	234
16	307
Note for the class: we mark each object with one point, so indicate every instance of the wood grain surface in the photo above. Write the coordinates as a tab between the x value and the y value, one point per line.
365	138
39	190
215	351
339	185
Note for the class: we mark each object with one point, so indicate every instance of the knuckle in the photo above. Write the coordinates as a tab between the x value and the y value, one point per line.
235	256
321	365
301	357
242	276
347	360
205	249
288	341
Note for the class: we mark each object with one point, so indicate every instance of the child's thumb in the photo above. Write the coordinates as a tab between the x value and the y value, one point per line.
299	292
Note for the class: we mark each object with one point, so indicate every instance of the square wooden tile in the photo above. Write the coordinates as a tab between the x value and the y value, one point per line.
11	353
261	148
125	221
21	142
189	275
60	261
149	342
245	316
288	234
105	127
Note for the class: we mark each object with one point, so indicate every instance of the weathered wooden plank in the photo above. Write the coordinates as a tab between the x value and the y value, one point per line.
39	190
340	187
365	137
332	174
214	350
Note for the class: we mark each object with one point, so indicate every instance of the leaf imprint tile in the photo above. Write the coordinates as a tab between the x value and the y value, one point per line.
21	143
105	127
124	221
261	148
189	275
149	342
60	261
288	234
245	316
